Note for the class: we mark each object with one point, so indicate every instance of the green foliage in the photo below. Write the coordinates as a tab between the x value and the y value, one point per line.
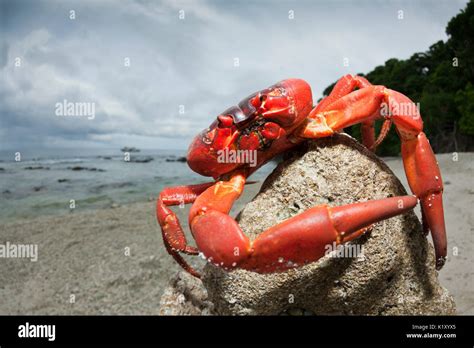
465	104
441	80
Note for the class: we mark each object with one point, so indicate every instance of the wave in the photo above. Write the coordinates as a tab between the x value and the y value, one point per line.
55	161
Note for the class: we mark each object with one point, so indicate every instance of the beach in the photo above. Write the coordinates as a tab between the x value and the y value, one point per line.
110	259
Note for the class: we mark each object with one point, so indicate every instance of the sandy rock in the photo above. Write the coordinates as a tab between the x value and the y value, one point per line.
394	275
185	296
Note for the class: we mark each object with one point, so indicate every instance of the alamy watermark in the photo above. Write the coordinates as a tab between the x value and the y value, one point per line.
237	156
345	251
28	330
75	109
400	108
26	251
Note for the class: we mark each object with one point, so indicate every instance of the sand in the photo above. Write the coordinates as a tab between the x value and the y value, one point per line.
112	261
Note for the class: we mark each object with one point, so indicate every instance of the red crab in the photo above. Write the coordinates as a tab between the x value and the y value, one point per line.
275	120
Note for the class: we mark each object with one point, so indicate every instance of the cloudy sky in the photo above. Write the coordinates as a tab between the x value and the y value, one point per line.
182	71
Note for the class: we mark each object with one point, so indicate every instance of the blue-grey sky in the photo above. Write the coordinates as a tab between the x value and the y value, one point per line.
183	64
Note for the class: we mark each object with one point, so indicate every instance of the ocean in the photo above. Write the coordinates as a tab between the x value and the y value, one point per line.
51	181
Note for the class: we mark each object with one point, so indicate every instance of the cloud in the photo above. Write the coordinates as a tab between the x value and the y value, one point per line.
188	62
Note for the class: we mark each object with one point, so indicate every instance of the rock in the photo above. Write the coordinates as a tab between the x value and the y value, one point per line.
36	168
395	276
176	159
185	296
129	149
141	159
79	168
296	312
63	180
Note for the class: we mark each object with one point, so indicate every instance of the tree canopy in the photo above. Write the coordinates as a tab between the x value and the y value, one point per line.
441	80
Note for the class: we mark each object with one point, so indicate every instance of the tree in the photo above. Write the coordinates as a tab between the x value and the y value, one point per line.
441	80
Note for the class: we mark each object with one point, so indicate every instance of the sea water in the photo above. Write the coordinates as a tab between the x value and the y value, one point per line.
107	180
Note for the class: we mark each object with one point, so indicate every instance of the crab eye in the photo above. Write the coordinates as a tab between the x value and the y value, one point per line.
208	136
258	100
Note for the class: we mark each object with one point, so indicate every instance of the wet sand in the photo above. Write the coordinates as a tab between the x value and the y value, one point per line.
112	261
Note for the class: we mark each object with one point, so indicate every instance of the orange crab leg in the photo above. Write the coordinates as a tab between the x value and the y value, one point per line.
172	232
425	181
174	238
344	86
361	106
419	160
296	241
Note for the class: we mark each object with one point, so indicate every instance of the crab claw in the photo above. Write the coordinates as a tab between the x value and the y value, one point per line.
288	103
205	162
304	238
350	219
301	239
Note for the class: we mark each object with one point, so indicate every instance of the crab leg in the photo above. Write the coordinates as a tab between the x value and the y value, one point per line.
172	232
343	87
419	160
296	241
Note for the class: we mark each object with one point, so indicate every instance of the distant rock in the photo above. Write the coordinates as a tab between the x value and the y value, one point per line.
64	180
129	149
36	168
105	157
39	188
141	159
79	168
2	169
176	159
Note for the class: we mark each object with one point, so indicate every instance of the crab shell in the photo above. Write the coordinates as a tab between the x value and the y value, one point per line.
261	122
